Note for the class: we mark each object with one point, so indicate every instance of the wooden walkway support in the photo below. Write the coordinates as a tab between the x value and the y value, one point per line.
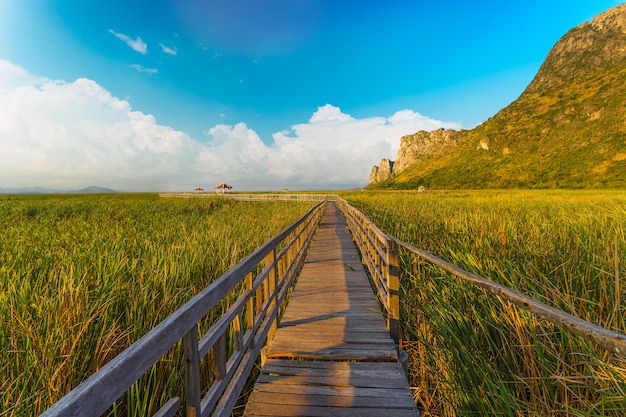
332	354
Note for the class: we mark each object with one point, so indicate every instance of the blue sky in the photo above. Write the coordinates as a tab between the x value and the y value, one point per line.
174	94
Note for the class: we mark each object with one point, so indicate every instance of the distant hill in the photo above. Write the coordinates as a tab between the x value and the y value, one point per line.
92	189
566	130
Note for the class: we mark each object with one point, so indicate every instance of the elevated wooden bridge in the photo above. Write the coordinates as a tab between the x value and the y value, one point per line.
334	351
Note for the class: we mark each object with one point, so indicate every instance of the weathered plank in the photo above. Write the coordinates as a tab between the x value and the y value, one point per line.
331	388
332	354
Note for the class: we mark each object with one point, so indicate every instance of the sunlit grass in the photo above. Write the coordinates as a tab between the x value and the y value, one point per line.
473	354
82	277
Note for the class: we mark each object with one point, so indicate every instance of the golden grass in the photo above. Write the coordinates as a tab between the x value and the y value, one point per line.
473	354
82	277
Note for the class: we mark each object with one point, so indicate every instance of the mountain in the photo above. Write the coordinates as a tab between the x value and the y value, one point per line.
566	130
27	190
92	189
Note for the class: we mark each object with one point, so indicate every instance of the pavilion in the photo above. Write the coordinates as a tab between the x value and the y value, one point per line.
223	187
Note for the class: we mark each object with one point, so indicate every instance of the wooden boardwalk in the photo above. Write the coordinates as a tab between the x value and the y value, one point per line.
332	354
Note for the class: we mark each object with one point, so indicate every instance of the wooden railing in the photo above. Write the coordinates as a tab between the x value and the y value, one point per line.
380	253
281	197
258	285
258	196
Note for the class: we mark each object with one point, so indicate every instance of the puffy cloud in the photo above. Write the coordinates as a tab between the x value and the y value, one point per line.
68	135
329	113
333	150
14	76
136	44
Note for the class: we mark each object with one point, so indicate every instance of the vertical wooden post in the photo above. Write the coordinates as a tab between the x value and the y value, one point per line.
238	333
259	299
272	280
219	358
269	285
192	372
393	297
250	306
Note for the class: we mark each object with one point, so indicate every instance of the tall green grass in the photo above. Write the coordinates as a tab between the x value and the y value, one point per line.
82	277
474	354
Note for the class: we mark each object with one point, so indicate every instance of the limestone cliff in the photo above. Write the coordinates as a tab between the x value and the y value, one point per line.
381	172
413	148
423	144
566	130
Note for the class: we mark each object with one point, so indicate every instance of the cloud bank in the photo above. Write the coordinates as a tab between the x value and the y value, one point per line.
68	135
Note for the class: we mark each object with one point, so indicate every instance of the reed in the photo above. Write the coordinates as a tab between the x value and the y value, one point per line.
82	277
474	354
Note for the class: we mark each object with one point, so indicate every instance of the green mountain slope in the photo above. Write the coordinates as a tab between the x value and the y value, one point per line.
566	130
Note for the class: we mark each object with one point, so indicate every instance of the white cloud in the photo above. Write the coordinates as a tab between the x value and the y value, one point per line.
136	44
144	69
329	113
14	76
332	150
68	135
168	50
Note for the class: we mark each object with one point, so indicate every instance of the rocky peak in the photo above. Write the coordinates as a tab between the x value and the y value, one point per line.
381	172
423	144
565	130
597	43
413	148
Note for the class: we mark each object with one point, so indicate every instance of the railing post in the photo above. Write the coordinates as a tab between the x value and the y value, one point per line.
192	372
273	279
269	296
219	358
393	297
250	306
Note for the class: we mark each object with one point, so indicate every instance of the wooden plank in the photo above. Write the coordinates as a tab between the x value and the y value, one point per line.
332	354
340	336
388	397
288	411
169	409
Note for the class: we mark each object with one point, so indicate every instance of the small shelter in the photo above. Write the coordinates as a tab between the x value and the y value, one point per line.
198	190
223	187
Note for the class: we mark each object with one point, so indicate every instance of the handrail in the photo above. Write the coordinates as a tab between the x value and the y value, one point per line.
251	319
608	339
379	253
372	241
257	196
280	197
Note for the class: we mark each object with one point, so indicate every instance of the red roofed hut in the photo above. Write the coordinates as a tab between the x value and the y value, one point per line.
225	188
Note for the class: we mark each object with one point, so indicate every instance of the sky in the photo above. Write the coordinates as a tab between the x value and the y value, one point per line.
169	95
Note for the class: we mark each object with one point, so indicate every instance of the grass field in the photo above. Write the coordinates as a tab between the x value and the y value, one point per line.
474	355
82	277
